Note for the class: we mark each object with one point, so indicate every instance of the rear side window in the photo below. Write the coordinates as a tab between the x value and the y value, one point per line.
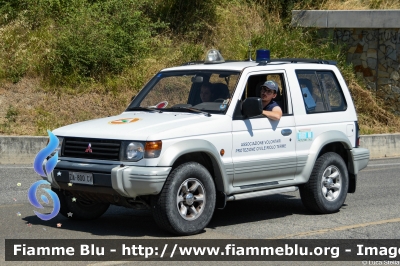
321	91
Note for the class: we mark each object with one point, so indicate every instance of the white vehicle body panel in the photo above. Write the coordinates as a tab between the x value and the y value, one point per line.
247	155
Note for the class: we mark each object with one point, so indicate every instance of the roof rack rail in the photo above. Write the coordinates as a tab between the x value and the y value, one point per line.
305	60
192	63
283	60
202	62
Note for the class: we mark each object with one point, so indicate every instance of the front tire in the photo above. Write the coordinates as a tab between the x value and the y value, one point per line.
78	209
326	190
186	203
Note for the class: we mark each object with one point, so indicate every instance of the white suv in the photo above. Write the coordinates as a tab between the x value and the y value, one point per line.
182	158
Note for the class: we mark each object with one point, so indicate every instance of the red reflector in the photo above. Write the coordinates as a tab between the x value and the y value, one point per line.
162	104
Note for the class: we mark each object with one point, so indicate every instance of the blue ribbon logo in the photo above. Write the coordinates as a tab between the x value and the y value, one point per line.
42	155
35	202
43	171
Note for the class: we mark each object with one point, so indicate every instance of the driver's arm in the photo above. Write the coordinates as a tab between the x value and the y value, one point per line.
275	114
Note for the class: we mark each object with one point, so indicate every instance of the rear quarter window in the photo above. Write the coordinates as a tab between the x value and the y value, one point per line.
321	91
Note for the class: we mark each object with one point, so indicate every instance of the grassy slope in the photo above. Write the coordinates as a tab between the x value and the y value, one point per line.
30	108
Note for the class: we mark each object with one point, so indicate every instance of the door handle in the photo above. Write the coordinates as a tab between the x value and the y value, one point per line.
286	132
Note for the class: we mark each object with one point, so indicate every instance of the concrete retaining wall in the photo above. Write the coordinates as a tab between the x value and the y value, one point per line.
377	19
382	145
23	149
20	149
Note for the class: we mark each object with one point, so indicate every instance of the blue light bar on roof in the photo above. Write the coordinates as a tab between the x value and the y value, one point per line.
262	55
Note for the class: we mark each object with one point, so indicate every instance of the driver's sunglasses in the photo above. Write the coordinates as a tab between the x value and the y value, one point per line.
266	91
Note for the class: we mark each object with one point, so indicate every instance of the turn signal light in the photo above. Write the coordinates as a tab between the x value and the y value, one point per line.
152	149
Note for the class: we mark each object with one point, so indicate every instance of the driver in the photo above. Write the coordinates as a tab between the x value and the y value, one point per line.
206	94
268	92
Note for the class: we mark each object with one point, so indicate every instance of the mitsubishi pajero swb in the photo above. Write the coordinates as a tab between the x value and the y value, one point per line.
182	158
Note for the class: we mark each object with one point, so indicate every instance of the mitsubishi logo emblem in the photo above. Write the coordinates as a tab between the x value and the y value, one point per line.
89	148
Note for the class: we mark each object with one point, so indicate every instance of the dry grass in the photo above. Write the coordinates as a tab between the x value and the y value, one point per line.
38	111
351	5
39	108
232	35
30	108
22	49
360	5
372	118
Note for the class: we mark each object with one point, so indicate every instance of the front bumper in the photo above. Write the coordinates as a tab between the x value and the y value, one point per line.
127	181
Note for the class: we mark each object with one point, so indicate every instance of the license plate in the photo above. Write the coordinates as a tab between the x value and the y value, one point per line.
81	178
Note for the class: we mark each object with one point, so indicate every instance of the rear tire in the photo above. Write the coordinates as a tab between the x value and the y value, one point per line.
187	201
77	209
326	190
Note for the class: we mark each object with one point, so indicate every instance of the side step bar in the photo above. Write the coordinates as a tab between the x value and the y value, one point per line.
255	194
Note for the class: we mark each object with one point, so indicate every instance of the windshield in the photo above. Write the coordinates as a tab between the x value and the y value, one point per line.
188	91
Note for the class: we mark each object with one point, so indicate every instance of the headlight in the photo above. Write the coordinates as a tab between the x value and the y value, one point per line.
133	151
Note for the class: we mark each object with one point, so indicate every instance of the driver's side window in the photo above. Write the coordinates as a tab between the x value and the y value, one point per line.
253	89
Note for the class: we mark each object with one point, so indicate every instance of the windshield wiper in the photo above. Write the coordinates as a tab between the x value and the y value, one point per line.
189	109
139	108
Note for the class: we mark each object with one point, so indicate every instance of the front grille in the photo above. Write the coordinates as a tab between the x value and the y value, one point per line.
101	149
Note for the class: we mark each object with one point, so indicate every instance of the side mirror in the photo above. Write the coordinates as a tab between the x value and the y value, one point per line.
252	106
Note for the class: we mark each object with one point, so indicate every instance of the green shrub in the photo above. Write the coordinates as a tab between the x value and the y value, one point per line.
193	19
9	10
101	39
290	42
11	114
14	50
283	8
10	119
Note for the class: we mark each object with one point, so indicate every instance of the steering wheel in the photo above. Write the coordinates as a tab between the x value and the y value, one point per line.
219	100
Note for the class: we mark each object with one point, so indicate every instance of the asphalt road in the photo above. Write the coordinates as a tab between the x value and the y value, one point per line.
371	213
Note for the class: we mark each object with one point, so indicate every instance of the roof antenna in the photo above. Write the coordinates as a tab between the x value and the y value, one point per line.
250	52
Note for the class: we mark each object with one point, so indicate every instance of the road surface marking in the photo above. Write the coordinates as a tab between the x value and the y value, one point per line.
384	164
16	167
341	228
12	205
